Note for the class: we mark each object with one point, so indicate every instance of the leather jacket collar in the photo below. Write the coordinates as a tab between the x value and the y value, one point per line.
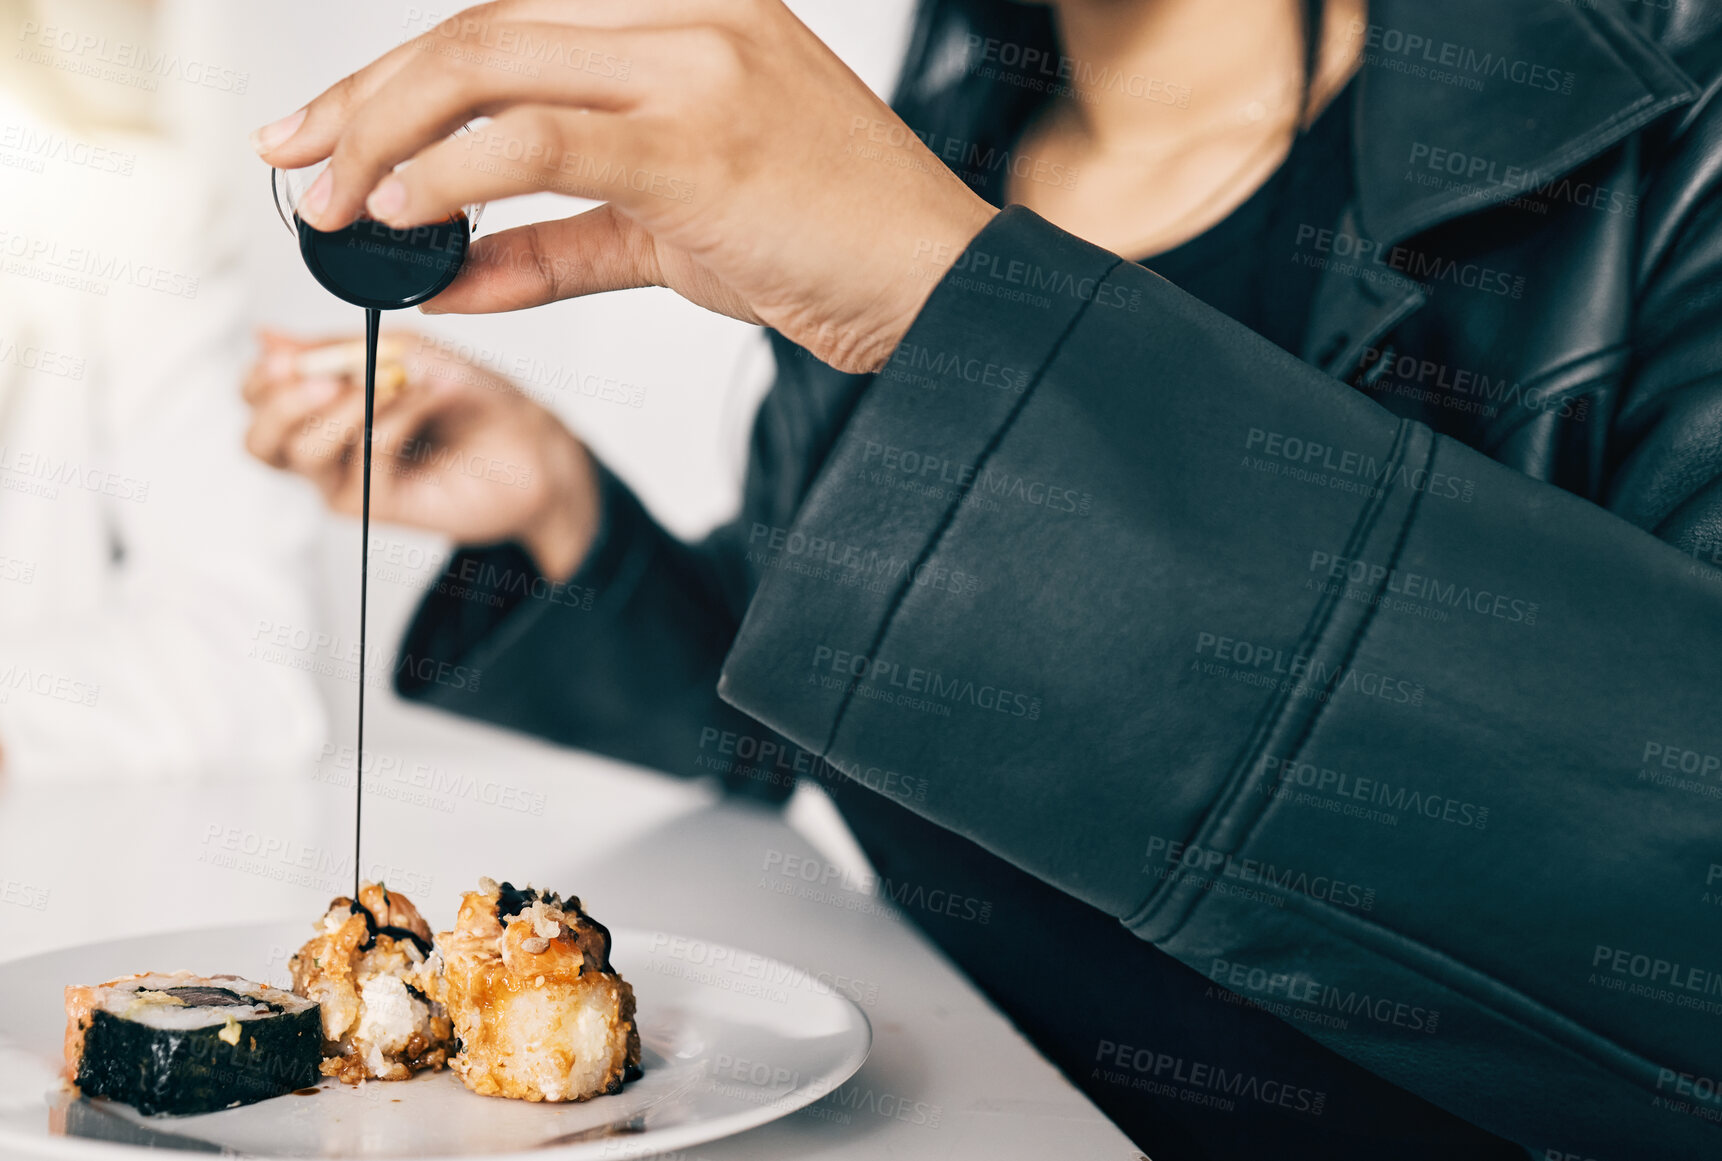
1518	92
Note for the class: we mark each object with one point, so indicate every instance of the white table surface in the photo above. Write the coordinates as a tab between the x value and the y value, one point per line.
91	862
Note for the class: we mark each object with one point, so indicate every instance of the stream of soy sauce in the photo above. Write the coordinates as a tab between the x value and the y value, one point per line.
373	266
373	326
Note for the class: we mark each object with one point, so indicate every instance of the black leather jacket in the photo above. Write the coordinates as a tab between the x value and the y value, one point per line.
1154	610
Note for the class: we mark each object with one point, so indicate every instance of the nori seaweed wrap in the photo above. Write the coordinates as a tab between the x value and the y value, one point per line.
178	1043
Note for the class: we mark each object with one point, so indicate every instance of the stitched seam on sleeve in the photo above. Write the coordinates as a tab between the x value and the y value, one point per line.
1309	727
1277	709
926	553
1363	627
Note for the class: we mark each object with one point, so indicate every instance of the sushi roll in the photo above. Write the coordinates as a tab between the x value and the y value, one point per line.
539	1013
180	1043
367	968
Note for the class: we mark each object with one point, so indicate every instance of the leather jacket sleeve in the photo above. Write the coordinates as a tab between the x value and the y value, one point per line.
621	660
1226	606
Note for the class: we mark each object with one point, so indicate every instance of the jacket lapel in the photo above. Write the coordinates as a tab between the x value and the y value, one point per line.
1522	90
1514	93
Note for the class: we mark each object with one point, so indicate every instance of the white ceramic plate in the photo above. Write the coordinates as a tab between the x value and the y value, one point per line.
729	1041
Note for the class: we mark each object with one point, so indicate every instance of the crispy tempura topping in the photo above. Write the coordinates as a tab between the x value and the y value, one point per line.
369	969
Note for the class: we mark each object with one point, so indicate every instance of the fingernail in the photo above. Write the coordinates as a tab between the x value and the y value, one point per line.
387	199
316	199
274	133
314	391
279	365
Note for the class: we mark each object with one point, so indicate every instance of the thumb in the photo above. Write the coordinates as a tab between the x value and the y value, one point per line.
601	249
547	261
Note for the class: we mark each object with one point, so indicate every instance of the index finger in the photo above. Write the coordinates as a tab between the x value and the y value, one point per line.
434	95
309	135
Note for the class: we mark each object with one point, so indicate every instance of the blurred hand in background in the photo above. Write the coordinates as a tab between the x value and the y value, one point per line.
456	448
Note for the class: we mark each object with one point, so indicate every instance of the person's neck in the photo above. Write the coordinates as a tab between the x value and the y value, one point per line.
1149	69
